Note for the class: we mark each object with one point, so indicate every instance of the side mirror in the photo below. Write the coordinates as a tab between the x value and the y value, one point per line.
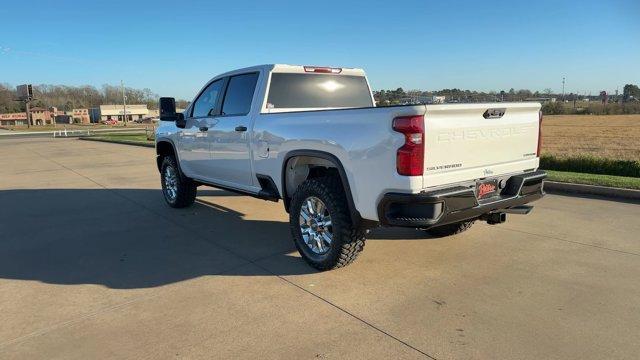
167	108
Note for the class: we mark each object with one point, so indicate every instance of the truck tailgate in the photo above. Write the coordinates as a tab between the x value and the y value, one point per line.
472	141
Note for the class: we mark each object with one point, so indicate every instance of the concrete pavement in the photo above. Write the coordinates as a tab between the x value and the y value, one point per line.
93	264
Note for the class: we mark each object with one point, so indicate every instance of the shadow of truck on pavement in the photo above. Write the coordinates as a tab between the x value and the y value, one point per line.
129	238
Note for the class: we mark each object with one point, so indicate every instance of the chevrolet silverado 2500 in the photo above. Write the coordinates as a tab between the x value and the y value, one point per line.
313	138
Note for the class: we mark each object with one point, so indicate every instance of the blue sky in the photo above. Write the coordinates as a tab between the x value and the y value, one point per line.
173	47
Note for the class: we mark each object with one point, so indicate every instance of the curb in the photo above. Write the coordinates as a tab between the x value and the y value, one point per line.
571	188
121	142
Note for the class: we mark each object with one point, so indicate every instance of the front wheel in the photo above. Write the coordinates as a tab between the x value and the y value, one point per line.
321	226
179	191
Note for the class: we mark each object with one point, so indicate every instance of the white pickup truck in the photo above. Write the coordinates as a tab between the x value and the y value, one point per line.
312	137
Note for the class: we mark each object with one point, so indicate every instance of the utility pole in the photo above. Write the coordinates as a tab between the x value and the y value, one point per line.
25	93
26	105
563	89
124	103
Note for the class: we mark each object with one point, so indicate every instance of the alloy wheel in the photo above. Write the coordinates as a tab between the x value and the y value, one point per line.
316	226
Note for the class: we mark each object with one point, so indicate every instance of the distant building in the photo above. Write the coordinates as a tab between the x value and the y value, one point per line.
543	100
43	116
116	112
39	116
13	119
79	116
63	118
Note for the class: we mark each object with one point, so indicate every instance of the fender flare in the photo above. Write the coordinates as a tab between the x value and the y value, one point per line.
173	146
355	214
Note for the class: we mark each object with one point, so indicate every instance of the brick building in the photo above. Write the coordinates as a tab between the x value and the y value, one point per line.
43	116
39	116
79	116
13	119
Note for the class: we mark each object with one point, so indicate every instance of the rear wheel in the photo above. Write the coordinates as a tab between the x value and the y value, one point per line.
450	229
179	191
321	226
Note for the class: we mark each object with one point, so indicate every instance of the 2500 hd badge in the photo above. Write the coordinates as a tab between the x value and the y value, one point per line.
444	167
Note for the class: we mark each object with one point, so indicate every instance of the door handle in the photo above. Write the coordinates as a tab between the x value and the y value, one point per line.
203	128
241	128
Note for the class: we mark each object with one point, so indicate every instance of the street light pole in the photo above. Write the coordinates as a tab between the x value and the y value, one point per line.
124	103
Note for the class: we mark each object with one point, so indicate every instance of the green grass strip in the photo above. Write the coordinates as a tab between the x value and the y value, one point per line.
594	179
591	165
125	137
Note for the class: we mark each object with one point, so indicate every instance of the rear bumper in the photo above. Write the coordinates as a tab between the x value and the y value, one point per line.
445	206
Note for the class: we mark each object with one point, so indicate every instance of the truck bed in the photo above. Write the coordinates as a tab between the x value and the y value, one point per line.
460	144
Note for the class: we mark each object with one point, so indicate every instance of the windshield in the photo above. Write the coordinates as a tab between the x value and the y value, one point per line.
312	91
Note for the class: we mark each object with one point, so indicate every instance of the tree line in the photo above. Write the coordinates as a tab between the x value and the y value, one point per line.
66	97
631	93
602	104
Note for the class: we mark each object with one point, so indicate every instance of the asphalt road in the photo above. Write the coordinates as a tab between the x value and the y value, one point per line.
94	265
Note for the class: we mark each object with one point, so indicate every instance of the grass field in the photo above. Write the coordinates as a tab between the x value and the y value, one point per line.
592	149
607	136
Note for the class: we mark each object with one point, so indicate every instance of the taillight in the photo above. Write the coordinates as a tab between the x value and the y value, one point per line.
539	133
321	69
410	157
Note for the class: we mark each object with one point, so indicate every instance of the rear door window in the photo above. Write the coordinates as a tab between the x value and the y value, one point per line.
237	100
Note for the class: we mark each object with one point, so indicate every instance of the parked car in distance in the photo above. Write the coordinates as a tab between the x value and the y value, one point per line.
109	122
147	120
313	138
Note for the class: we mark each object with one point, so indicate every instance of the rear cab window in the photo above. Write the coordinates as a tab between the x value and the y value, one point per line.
302	91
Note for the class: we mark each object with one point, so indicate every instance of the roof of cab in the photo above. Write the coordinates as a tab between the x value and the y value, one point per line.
286	68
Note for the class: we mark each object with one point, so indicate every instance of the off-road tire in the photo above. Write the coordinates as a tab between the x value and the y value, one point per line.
348	241
451	229
186	187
